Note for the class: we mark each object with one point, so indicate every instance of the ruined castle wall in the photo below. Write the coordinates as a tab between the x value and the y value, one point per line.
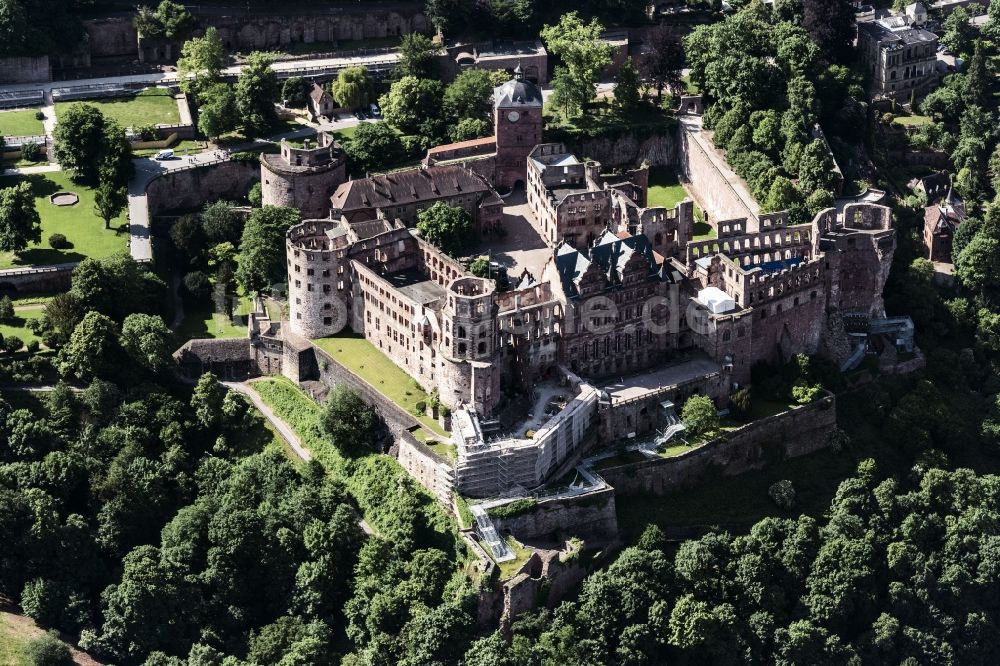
112	37
590	517
191	188
798	432
425	466
25	69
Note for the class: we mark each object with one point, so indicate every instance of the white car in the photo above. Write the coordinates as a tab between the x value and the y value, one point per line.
164	155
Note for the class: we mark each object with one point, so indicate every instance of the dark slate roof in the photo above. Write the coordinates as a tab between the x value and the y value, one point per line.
404	187
611	254
516	93
317	93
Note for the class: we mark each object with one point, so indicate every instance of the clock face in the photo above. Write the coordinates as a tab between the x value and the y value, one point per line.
513	116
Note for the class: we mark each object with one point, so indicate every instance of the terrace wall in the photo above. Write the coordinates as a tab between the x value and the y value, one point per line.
590	517
190	188
25	69
794	433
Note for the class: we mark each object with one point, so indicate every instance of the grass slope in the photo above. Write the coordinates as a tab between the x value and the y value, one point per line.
81	226
19	325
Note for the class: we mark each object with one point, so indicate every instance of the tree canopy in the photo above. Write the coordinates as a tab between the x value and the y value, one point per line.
257	90
262	248
447	227
584	56
20	223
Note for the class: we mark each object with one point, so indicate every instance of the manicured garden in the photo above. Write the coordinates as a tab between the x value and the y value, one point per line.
82	228
20	122
366	361
154	106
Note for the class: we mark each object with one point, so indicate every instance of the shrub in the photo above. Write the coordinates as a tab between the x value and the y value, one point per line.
146	133
6	309
33	347
420	407
12	343
31	152
58	242
39	115
255	196
48	650
783	494
699	415
803	393
515	508
197	284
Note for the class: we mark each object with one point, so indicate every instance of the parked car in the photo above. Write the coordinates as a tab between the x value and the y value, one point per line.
164	155
377	112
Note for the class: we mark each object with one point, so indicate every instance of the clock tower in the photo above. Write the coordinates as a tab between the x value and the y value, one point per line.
517	121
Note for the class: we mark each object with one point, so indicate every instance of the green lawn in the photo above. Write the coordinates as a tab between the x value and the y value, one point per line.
81	226
201	321
913	121
12	644
664	188
510	567
692	89
703	231
344	135
182	147
155	106
366	361
19	326
21	122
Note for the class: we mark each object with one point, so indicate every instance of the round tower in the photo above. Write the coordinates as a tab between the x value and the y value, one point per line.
303	175
317	281
469	318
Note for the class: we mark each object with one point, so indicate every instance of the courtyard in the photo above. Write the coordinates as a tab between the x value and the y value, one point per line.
522	247
81	226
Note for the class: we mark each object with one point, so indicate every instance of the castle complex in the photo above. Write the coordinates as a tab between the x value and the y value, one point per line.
624	315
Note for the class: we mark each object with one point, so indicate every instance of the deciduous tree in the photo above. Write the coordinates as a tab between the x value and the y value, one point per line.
351	89
201	61
256	92
584	56
447	227
262	248
20	223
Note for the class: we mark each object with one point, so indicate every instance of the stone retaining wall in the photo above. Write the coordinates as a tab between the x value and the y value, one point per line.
40	278
629	150
591	517
25	69
191	188
795	433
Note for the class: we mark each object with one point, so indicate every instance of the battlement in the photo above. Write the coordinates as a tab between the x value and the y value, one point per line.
867	217
317	235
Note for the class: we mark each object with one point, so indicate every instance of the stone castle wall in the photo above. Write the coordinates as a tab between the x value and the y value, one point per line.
112	37
40	278
309	192
590	517
712	186
797	432
25	69
191	188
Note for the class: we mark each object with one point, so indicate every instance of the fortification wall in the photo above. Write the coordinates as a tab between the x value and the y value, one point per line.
425	466
591	517
112	37
796	432
25	69
710	187
191	188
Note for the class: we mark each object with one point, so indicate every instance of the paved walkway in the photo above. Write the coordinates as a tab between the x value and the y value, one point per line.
41	168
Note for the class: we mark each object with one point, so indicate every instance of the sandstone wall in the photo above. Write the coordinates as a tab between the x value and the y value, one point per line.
798	432
25	69
590	517
711	187
191	188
